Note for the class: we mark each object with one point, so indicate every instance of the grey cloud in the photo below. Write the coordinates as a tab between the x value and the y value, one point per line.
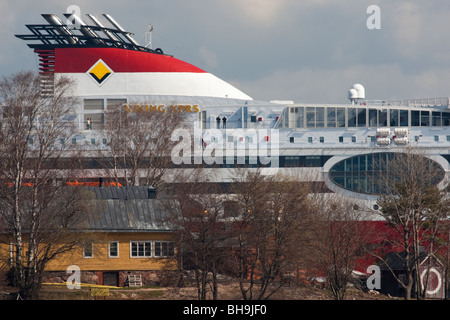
285	49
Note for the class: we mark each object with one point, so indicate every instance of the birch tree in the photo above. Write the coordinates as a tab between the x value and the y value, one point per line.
37	213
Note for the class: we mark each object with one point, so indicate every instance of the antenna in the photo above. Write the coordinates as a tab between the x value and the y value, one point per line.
148	37
356	93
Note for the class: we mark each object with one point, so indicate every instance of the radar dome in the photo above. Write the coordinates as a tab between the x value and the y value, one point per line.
352	94
360	91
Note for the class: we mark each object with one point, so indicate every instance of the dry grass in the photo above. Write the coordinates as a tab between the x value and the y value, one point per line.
227	291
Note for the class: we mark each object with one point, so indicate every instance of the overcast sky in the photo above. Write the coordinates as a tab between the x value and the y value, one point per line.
303	50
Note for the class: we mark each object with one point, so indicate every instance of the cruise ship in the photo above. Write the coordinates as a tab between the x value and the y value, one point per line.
331	145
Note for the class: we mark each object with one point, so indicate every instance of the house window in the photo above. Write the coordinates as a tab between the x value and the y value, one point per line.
113	249
164	249
141	249
341	139
88	250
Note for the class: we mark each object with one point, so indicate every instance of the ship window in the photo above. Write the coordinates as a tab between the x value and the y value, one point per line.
404	118
299	117
313	161
112	104
424	118
362	117
203	118
351	117
320	117
340	113
436	119
93	104
93	120
382	118
293	162
415	118
445	118
284	119
373	118
393	117
331	117
310	117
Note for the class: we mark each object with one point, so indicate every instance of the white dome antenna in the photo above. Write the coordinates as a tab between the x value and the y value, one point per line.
356	93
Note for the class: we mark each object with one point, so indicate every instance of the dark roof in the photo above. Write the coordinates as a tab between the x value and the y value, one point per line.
128	209
397	260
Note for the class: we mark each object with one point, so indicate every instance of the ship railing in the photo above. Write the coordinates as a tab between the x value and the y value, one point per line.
425	102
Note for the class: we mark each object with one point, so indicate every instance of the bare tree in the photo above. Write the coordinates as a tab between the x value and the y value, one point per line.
414	207
340	235
36	212
201	229
273	213
139	144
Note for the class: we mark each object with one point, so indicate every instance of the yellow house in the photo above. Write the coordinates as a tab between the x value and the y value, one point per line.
130	243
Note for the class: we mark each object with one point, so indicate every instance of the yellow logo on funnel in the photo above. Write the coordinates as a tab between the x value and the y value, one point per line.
100	71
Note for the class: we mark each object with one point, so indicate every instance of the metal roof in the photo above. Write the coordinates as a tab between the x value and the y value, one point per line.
128	209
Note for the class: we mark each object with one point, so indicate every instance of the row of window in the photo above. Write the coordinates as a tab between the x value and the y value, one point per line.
138	249
340	117
372	139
